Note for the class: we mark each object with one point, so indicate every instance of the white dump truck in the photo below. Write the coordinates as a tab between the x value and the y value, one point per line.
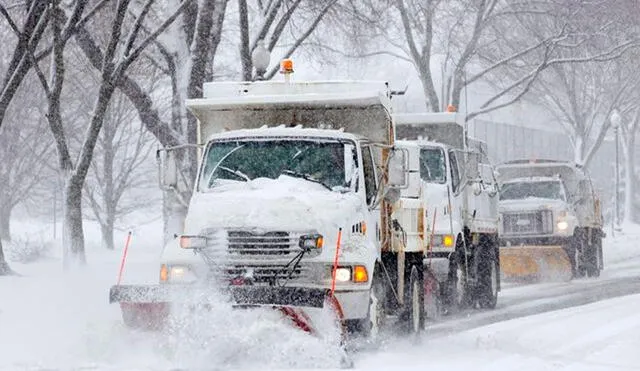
448	213
551	220
291	203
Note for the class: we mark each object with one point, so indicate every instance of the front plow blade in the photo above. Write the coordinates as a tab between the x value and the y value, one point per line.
535	263
147	306
239	295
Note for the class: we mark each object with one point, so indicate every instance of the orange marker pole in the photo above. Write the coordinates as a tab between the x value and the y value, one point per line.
124	257
335	262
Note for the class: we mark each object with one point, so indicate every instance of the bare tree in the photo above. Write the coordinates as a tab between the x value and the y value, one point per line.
30	33
23	154
473	42
119	167
117	57
273	18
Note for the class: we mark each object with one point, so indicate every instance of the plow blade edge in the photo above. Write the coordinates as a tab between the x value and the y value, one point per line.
239	295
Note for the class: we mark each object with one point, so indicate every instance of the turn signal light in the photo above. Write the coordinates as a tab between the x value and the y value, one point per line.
164	273
360	274
447	240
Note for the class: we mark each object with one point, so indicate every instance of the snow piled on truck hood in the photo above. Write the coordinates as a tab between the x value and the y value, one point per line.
284	203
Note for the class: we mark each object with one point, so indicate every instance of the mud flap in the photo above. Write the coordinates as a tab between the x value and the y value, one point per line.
548	263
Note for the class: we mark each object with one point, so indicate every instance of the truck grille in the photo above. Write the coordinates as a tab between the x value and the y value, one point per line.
528	223
263	273
265	244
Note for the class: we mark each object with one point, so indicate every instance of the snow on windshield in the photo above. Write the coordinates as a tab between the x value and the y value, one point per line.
329	163
521	190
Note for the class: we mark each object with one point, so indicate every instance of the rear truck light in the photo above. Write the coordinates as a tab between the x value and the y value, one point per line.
311	242
193	242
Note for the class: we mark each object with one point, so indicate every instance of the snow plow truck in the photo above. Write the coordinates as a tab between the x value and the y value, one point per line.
449	211
551	221
291	208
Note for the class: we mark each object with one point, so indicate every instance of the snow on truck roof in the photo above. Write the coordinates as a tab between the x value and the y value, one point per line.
534	179
429	118
440	127
289	132
359	107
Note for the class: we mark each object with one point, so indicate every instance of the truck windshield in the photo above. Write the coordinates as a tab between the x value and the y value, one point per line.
521	190
432	165
321	162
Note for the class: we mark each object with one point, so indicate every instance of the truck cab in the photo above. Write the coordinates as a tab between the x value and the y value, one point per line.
448	212
551	203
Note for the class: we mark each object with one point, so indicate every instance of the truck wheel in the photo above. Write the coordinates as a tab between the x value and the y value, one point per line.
576	253
456	290
416	301
370	326
592	257
488	280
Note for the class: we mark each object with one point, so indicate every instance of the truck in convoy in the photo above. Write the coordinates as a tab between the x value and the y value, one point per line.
449	211
551	221
291	206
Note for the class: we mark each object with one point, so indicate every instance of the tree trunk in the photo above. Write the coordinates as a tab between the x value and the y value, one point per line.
5	222
107	233
73	234
4	267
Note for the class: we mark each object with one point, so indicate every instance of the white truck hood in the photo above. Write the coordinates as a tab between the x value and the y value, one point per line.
531	203
284	203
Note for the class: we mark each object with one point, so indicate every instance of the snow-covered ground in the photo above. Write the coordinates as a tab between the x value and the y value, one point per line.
600	336
50	319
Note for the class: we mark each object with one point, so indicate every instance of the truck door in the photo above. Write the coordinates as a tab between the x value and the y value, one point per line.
456	185
371	190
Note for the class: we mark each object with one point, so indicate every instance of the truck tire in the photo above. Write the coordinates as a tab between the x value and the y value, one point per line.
370	326
456	290
488	271
415	301
592	255
576	253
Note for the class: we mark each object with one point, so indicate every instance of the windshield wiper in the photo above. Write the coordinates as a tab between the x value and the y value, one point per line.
306	177
236	173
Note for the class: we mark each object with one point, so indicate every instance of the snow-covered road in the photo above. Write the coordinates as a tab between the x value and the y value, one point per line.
54	320
599	336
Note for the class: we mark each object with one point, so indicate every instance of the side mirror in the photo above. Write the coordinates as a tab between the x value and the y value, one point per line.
168	164
398	166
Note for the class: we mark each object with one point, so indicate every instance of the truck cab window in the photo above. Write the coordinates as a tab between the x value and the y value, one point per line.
232	162
432	165
455	172
369	174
